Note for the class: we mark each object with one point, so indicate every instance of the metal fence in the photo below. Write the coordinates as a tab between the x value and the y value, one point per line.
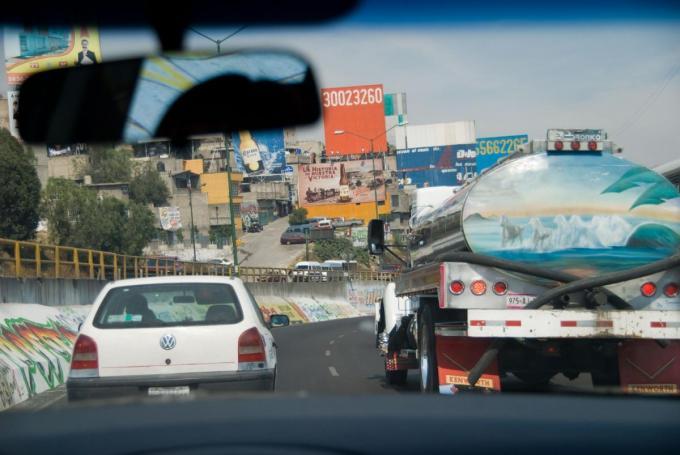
20	259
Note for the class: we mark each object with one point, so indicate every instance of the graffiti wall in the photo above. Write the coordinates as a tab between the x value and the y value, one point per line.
35	348
362	295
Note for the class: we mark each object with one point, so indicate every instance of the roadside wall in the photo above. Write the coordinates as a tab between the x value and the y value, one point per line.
35	348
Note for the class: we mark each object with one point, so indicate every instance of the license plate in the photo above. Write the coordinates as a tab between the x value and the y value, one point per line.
156	391
518	300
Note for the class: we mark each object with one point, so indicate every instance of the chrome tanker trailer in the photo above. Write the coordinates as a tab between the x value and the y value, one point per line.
562	258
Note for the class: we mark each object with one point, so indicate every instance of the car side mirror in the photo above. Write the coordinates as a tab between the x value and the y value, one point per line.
376	237
278	320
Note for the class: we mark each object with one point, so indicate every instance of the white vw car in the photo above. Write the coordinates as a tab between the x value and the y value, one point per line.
173	336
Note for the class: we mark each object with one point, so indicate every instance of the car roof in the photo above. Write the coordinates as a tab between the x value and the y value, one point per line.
174	280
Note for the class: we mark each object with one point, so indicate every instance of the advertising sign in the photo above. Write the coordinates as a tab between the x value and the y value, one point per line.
450	165
347	182
360	237
249	212
29	50
259	152
170	218
491	149
356	111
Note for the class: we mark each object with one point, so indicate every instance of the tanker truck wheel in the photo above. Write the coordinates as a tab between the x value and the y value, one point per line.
429	382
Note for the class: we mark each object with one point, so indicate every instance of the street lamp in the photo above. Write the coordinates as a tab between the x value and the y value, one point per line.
370	140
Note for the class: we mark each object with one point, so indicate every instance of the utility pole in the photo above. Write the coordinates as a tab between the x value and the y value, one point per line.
191	210
234	249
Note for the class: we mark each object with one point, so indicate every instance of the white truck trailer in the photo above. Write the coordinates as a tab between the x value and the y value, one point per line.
562	258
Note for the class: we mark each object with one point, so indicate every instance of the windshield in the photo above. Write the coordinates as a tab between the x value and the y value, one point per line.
168	305
488	201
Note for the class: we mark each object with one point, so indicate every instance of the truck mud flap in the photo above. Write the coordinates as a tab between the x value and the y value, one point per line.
648	368
456	356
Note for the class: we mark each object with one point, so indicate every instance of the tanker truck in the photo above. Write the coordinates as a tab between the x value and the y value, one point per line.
563	258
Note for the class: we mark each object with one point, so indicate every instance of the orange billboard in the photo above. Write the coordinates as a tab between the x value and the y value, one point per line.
359	113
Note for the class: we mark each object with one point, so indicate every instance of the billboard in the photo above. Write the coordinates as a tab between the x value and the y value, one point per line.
29	50
491	149
357	111
347	182
435	134
449	165
259	152
170	217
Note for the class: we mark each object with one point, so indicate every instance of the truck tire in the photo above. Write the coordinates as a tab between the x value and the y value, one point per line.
397	377
427	354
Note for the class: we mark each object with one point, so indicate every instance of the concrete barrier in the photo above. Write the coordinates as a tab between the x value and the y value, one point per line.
49	291
36	342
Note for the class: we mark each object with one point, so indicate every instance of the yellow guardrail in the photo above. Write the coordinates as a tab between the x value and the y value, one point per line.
22	259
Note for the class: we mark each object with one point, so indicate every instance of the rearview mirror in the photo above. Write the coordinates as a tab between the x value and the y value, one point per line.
170	96
279	320
376	237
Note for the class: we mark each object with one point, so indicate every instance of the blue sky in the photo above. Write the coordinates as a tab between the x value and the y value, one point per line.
509	77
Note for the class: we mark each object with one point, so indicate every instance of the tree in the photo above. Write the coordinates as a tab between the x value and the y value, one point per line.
19	190
340	248
106	165
298	216
77	217
147	187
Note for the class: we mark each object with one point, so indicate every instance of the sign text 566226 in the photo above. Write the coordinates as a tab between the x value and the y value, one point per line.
352	97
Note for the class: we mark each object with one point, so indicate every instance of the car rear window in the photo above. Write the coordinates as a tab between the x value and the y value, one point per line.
169	305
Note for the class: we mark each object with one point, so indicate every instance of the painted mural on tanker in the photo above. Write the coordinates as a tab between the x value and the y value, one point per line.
584	213
35	349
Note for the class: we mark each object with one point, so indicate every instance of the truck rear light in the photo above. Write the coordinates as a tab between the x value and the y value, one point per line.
648	289
671	290
85	360
456	287
500	288
575	145
478	287
250	347
592	146
559	145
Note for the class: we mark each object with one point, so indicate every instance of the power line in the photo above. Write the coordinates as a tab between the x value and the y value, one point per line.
651	99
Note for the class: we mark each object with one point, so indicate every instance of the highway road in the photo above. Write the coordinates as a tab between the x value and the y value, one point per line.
264	249
332	358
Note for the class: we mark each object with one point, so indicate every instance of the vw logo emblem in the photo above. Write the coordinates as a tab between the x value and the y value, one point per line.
168	342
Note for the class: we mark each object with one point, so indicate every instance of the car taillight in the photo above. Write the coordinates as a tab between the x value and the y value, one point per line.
456	287
478	287
648	289
500	288
559	145
575	145
250	347
592	146
85	361
671	290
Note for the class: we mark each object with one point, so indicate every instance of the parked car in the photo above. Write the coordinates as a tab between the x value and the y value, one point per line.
221	261
324	224
294	234
254	226
164	265
309	271
209	331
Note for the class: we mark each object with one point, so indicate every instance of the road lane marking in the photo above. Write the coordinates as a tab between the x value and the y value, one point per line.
331	342
340	336
333	371
328	353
